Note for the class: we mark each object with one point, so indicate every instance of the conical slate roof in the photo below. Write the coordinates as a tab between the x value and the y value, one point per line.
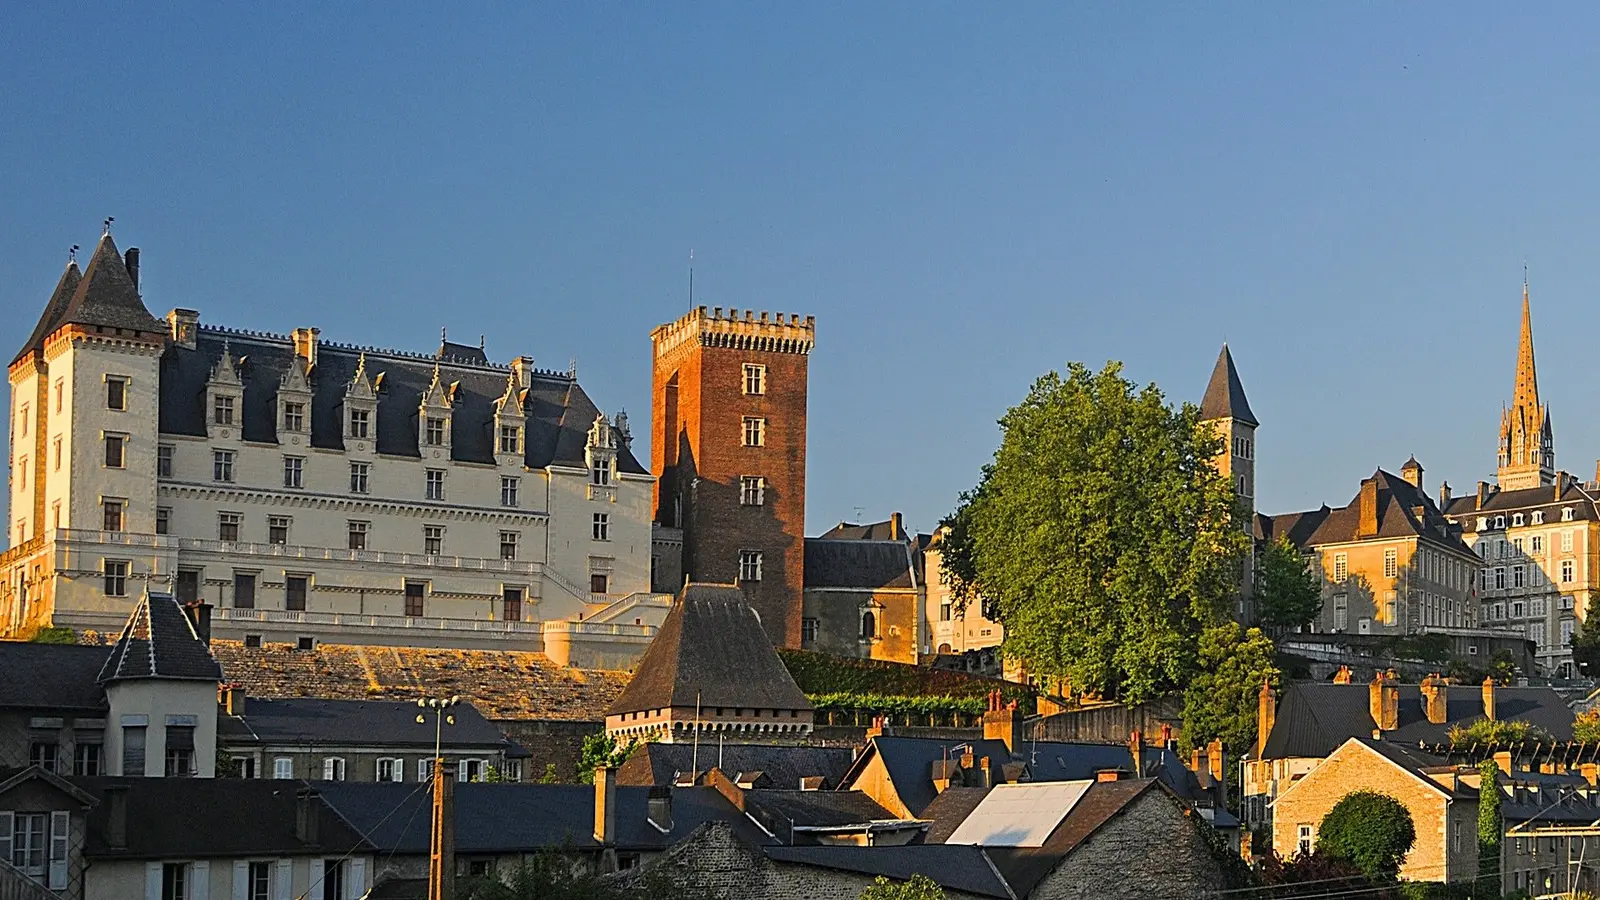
104	295
159	641
1224	398
711	648
53	311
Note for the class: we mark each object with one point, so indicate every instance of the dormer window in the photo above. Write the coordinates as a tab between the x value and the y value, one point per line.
510	439
360	423
1516	520
1566	514
1538	517
294	417
1499	521
222	410
434	432
600	472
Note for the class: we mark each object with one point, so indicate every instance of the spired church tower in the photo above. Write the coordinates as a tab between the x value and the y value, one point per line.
1527	450
1226	409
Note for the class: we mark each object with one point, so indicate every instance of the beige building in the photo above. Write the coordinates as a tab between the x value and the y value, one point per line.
947	628
1227	410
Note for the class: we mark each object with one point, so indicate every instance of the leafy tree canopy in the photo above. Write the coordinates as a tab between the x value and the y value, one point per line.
1288	593
1370	829
1497	731
1586	727
920	887
1101	535
54	634
602	750
1586	643
1223	696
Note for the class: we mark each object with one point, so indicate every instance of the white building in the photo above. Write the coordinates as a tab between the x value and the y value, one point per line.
312	490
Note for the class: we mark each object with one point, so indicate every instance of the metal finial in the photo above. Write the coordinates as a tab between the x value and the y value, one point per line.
481	341
72	253
107	225
443	335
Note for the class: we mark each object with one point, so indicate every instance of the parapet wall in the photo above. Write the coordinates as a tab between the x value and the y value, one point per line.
771	332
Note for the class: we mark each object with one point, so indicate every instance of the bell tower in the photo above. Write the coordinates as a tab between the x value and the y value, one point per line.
1527	455
1226	409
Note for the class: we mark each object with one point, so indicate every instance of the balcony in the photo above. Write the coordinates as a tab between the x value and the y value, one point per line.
361	620
375	557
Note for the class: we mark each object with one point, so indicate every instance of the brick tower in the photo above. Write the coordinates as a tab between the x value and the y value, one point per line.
728	440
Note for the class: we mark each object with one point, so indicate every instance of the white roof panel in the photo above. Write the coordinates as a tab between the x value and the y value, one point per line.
1019	815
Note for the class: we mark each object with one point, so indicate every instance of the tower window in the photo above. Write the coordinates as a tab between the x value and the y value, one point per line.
116	577
222	465
510	438
277	529
433	539
435	484
600	472
752	490
163	520
163	459
357	534
294	417
749	565
755	379
222	410
1567	570
598	582
116	392
435	432
294	471
508	491
228	526
602	526
116	450
755	431
360	478
111	511
508	544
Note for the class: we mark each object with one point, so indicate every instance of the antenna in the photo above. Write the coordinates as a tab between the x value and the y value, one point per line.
691	278
859	511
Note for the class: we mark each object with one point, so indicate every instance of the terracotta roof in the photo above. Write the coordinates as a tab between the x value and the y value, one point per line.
711	649
502	684
159	642
1224	397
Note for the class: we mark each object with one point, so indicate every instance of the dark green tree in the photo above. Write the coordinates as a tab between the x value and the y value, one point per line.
1223	696
554	875
601	749
1370	829
1586	643
1491	831
1101	535
1288	593
919	887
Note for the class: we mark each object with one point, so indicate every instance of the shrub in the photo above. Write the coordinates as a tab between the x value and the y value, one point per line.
1371	830
1495	731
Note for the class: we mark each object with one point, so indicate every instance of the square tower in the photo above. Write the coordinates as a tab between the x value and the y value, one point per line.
1226	409
728	442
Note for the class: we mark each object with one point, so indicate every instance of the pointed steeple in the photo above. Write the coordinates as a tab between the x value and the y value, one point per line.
1224	397
1527	449
1526	396
50	319
103	294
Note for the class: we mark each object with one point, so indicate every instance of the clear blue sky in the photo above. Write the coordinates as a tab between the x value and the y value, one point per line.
964	195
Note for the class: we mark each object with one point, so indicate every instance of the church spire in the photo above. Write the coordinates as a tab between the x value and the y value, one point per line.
1527	454
1527	393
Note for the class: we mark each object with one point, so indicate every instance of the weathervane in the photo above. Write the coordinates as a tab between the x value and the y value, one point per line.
107	225
72	253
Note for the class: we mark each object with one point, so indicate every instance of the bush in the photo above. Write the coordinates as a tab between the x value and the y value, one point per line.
893	704
821	673
920	887
53	634
1586	727
1371	830
1496	731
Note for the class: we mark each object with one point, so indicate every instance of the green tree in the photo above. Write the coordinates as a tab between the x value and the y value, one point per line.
1586	643
1491	830
53	634
1101	535
1223	696
554	875
549	776
1288	593
1498	731
601	749
919	887
1370	829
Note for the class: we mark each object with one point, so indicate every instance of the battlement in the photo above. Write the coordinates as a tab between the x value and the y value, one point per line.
770	332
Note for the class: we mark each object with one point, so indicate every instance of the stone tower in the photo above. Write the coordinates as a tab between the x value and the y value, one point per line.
1527	450
1227	410
728	442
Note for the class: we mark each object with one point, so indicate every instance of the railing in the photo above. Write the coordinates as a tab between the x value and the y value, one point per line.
379	557
115	538
294	617
23	550
16	884
610	629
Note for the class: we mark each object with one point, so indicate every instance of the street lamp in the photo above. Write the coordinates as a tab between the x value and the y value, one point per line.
439	705
442	853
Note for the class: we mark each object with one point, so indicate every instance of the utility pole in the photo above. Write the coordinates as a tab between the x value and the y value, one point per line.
442	846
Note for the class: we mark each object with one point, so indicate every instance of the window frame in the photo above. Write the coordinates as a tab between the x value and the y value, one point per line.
600	527
222	466
755	380
433	484
361	478
116	449
753	432
359	424
510	489
750	563
278	526
294	416
752	490
115	574
164	458
222	410
358	531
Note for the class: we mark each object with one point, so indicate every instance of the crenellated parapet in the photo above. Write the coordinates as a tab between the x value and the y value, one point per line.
763	331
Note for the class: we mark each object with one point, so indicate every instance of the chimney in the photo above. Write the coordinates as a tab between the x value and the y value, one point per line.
1433	698
117	816
522	368
1343	676
199	613
1502	759
305	344
1488	698
1136	750
1383	702
1104	775
985	773
1167	740
1483	493
1215	759
305	817
1003	721
968	761
232	699
659	807
897	530
879	728
945	771
1367	525
1444	494
1266	715
605	805
131	260
182	325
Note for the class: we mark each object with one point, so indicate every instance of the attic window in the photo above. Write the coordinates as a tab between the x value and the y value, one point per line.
1499	521
1538	517
1516	520
1566	514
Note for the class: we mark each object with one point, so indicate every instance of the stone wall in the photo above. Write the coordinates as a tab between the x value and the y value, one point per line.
550	741
1109	724
1153	848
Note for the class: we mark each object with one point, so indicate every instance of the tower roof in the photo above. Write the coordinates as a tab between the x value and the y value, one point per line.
711	649
52	310
159	641
1224	397
104	295
1526	396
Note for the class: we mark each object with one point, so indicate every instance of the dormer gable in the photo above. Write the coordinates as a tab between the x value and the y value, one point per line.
600	450
294	402
225	397
361	408
510	422
435	414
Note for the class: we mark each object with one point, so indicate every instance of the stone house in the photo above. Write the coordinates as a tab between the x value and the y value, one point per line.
864	592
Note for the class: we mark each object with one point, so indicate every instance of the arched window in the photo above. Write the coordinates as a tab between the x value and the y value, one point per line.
869	625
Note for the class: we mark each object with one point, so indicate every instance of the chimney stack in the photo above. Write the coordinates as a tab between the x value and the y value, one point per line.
897	530
199	613
183	323
232	699
879	728
1106	775
305	344
117	816
1444	494
1136	750
1412	472
1215	759
1433	699
1367	525
1383	701
605	805
1343	676
1266	715
522	368
1003	721
131	260
1483	493
305	817
659	807
1488	698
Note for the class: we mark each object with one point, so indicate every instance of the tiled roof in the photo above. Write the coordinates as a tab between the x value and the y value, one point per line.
1025	867
948	810
711	650
860	563
954	867
51	676
104	296
784	765
50	319
159	641
354	722
559	413
1403	510
1224	397
501	684
819	809
1572	495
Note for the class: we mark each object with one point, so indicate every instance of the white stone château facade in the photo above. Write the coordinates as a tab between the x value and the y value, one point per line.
308	489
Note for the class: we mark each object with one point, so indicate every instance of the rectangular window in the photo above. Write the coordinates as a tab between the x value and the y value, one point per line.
283	768
1567	570
434	432
259	882
294	417
43	753
86	758
133	750
1341	612
294	472
755	431
1516	576
180	751
333	768
435	484
61	393
414	598
116	393
433	540
116	577
360	474
222	410
752	490
1517	609
510	438
749	565
244	590
222	465
1341	567
163	459
470	770
228	526
511	604
1391	563
22	420
808	630
277	529
27	842
598	582
391	769
1500	578
1566	542
333	879
508	491
600	472
116	450
360	419
357	534
601	530
111	515
755	379
295	588
508	544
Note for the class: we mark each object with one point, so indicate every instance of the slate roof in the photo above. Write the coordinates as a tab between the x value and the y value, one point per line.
51	676
241	817
955	867
365	723
1573	495
948	810
159	641
819	809
559	413
860	563
871	531
711	647
1314	718
103	295
514	818
1224	397
1398	502
784	765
